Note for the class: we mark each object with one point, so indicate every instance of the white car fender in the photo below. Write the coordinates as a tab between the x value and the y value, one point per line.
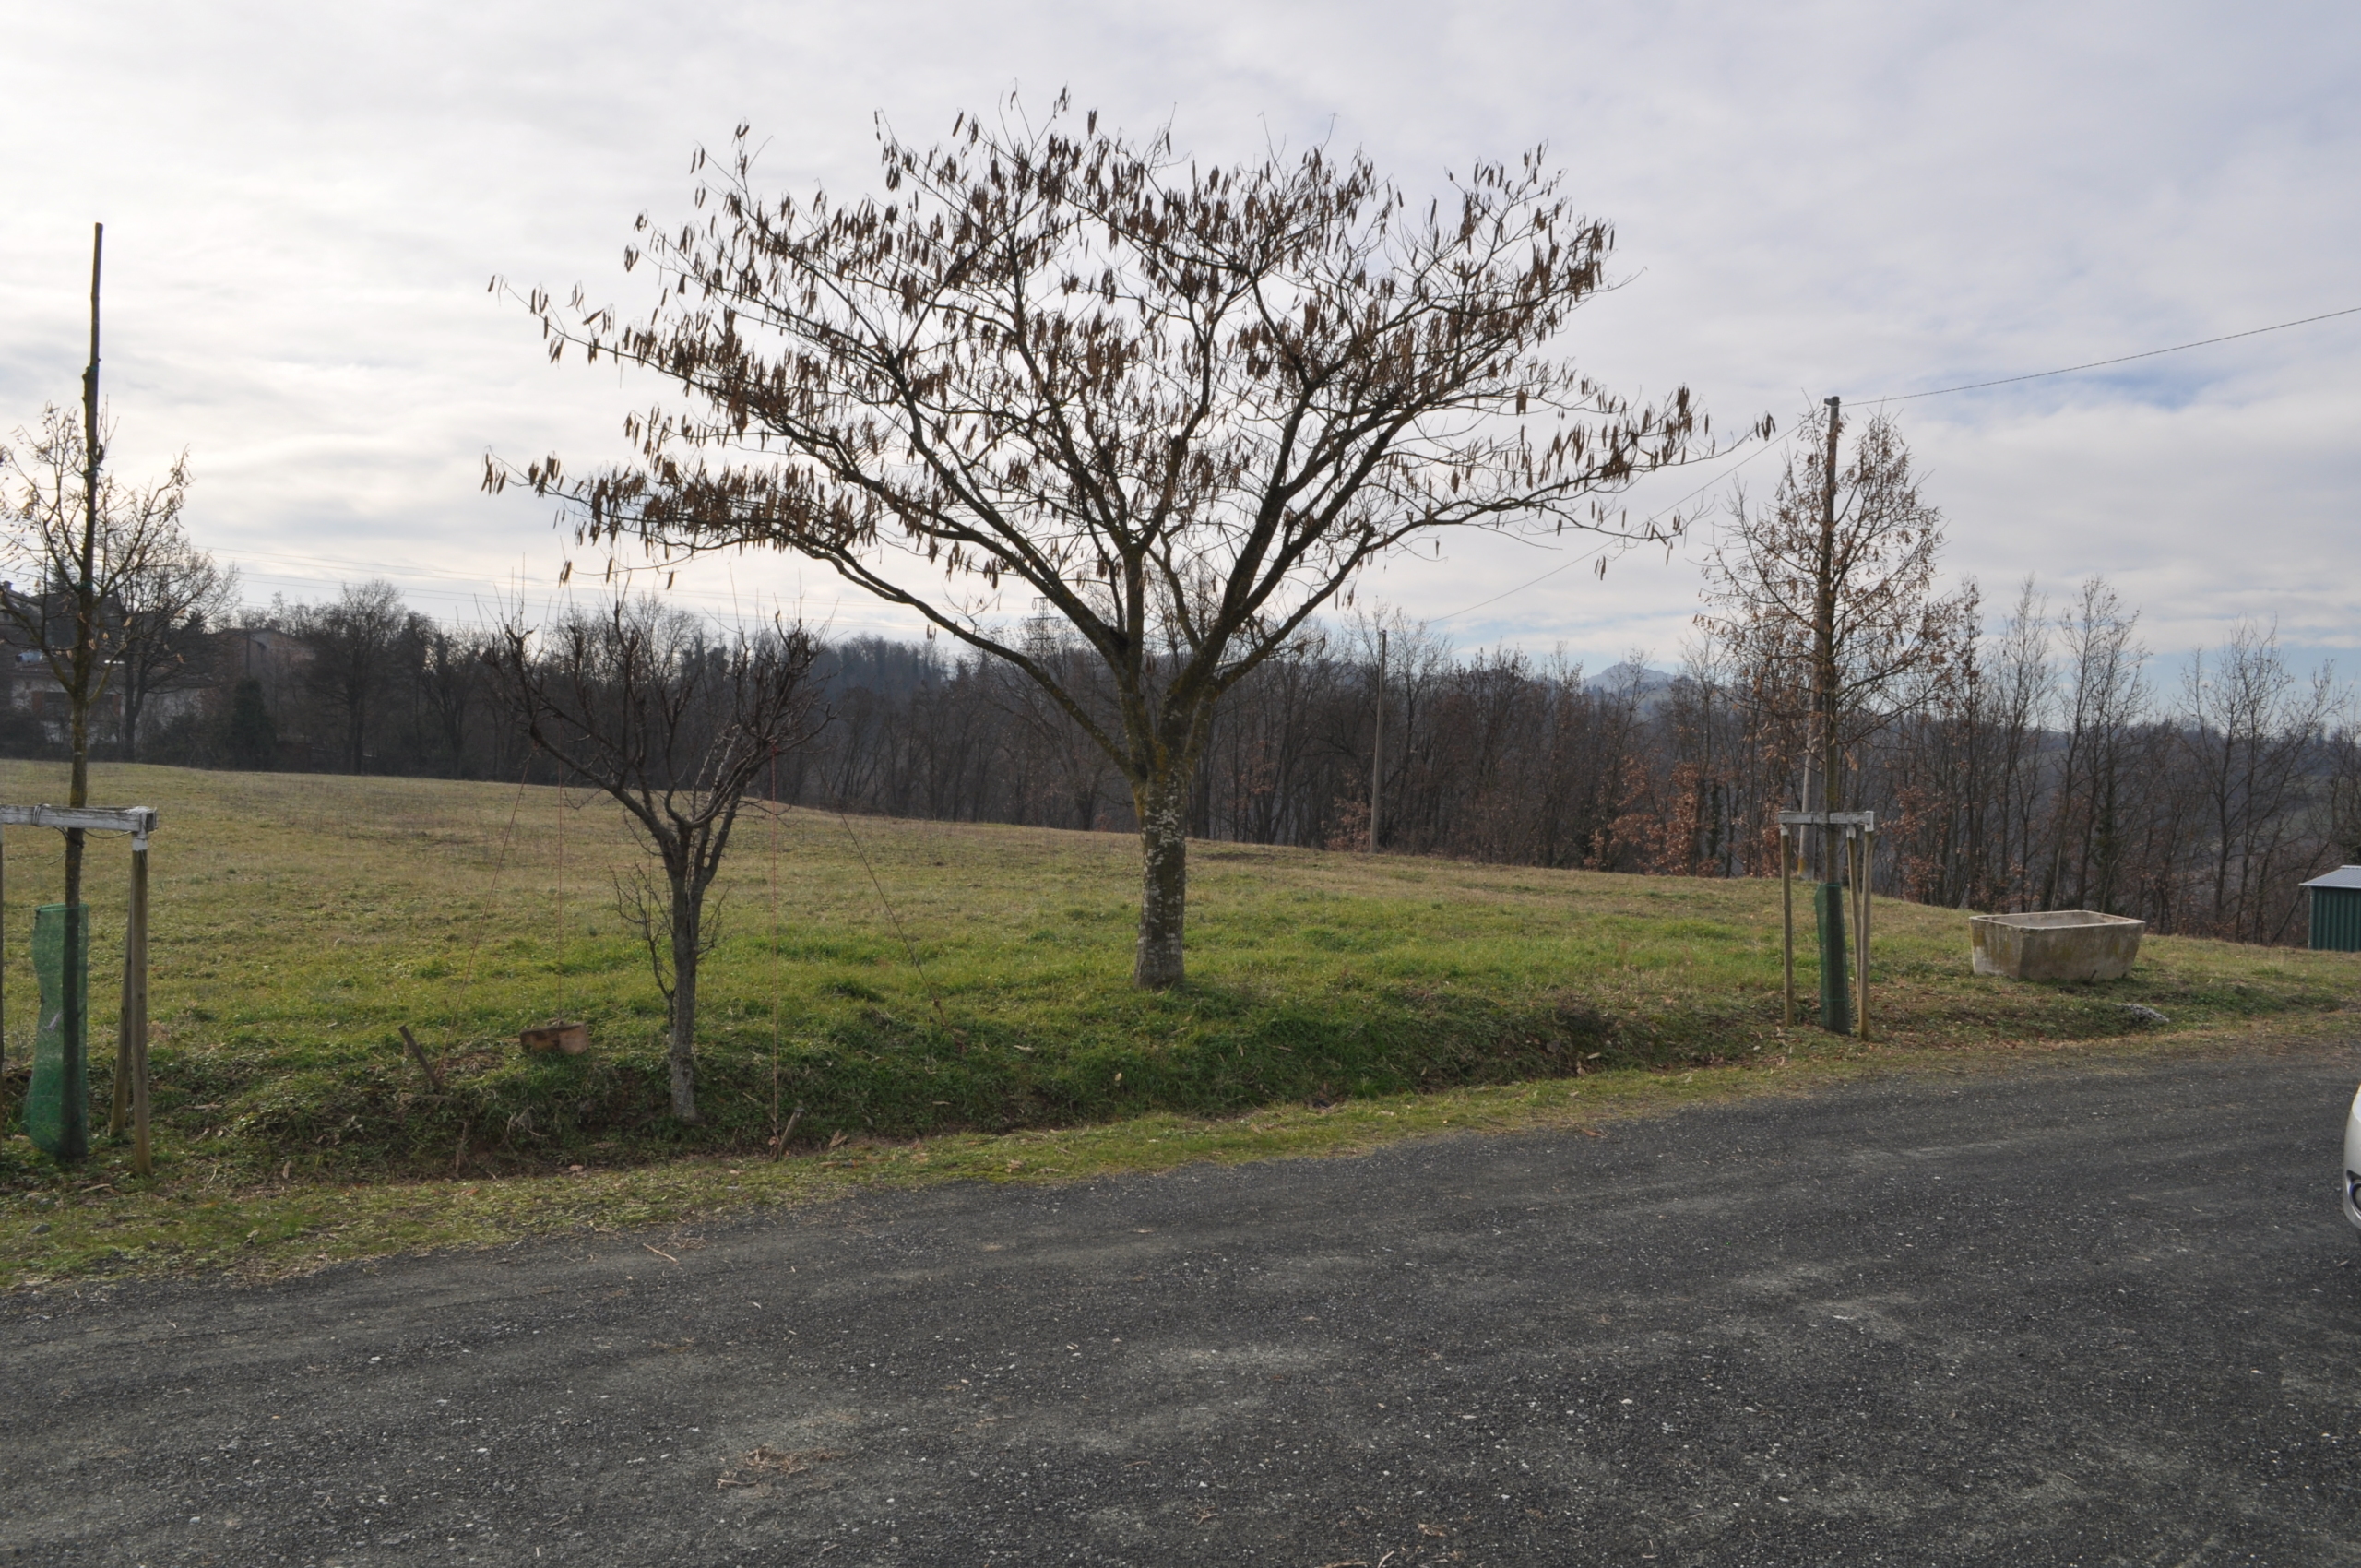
2352	1178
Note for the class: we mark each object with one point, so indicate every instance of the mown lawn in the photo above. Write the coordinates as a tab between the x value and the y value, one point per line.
900	982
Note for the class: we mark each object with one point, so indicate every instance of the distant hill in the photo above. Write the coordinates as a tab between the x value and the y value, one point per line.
1648	683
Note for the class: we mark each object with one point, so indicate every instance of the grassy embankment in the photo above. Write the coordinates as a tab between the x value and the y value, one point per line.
939	1000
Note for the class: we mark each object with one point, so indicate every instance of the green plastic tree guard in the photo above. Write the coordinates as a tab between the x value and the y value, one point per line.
57	1104
1836	995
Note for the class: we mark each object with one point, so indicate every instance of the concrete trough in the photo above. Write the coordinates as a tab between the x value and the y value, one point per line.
2056	945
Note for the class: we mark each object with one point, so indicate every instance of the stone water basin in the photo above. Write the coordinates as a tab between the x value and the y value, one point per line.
2056	945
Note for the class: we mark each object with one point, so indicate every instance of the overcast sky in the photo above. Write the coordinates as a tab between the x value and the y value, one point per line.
304	205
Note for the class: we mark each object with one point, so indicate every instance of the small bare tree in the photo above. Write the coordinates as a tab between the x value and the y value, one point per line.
1826	600
675	723
81	554
79	534
1178	404
1826	597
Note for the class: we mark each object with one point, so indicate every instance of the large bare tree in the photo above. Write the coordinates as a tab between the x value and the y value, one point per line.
676	723
1178	405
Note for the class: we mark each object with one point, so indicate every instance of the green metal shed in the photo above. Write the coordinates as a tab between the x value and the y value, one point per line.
2336	911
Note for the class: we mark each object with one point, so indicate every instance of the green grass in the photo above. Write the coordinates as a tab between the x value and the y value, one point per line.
904	983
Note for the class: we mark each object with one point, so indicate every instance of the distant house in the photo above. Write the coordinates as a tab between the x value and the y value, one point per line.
265	654
37	708
36	715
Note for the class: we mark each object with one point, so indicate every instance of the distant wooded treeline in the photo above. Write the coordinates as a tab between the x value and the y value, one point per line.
2041	768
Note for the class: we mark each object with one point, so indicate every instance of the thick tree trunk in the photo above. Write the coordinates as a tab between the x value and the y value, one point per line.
686	919
1163	807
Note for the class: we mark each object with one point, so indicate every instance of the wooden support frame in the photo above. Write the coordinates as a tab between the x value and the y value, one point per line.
1860	860
131	1045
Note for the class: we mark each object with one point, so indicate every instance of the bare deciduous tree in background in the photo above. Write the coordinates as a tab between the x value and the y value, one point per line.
447	664
2105	693
164	612
1180	405
354	640
675	723
2254	750
1829	609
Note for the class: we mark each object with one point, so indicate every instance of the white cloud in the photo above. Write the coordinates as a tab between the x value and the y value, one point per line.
304	204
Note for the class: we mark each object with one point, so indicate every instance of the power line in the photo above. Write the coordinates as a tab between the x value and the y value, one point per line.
1594	554
304	570
2119	359
415	573
1912	396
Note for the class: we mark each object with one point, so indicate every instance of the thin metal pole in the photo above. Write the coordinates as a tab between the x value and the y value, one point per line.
135	986
1787	919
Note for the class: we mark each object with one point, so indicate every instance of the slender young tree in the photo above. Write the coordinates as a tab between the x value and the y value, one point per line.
1826	597
1180	405
82	545
80	536
641	701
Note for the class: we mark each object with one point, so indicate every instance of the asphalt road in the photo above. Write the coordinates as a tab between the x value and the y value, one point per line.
2061	1315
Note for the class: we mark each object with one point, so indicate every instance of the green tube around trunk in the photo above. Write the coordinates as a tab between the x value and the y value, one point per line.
1836	995
57	1103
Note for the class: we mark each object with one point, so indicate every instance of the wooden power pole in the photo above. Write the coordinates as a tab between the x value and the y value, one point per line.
1377	750
1836	995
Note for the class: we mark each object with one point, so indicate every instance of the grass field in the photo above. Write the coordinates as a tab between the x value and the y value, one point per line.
905	985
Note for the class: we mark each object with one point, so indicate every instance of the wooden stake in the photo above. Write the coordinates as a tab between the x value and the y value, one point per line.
1377	750
119	1107
4	963
433	1076
1787	919
1861	925
135	1007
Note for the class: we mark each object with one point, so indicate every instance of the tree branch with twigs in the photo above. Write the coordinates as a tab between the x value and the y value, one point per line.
1181	406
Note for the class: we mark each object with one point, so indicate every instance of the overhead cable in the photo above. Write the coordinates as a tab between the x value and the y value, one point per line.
2119	359
1938	392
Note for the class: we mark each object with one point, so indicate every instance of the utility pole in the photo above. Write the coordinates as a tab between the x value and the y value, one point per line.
1836	995
1824	645
1377	750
